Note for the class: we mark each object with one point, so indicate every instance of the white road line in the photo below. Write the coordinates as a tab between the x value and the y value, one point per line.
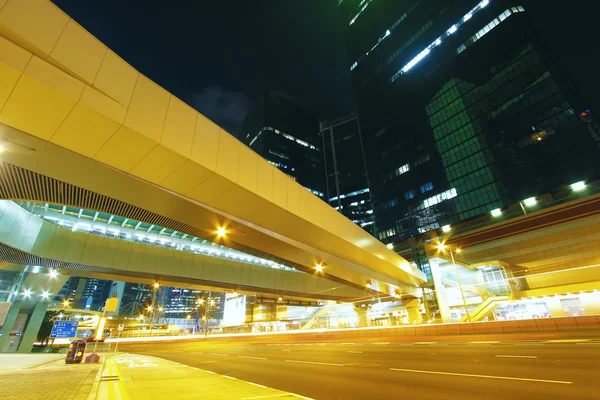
253	358
355	352
285	350
256	384
229	377
567	340
346	343
510	378
218	354
486	342
381	343
588	343
527	344
266	397
322	344
425	343
314	362
301	397
508	356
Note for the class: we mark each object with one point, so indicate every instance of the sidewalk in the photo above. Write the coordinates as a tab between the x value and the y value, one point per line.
44	377
134	377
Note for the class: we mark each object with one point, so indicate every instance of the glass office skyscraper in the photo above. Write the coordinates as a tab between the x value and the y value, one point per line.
464	108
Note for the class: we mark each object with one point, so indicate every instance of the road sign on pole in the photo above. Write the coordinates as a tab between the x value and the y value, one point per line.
64	329
121	326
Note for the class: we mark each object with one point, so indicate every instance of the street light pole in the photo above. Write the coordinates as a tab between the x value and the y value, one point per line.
462	293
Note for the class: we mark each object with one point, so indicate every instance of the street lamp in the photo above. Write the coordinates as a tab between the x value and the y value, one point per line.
319	267
221	231
442	247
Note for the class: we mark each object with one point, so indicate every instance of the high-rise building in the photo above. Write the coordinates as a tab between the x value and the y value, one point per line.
95	293
347	185
287	136
463	109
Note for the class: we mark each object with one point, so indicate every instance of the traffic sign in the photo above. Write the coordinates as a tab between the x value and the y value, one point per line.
64	329
121	326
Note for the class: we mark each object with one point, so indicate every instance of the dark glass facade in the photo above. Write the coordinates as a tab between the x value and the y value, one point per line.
287	136
347	185
463	108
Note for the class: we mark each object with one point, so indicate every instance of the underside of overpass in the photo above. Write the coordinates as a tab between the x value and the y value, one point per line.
112	248
82	128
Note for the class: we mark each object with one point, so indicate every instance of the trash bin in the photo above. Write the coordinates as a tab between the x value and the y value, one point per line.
75	353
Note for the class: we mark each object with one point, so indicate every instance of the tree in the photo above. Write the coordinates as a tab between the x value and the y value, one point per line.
46	327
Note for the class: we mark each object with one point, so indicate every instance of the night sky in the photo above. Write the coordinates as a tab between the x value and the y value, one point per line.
219	56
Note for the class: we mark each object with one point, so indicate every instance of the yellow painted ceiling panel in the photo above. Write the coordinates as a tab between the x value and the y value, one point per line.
125	149
180	125
228	160
116	78
264	182
158	165
50	75
210	189
36	108
35	24
248	168
206	143
13	55
148	109
10	76
79	52
186	177
294	197
84	131
104	105
3	3
280	186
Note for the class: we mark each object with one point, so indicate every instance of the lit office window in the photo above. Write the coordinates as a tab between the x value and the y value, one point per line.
426	187
483	31
409	195
438	42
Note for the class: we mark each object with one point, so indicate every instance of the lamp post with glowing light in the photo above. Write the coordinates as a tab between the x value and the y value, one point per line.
442	247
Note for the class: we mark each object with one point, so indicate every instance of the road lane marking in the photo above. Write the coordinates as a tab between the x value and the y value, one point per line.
218	354
314	362
229	377
509	356
346	343
207	362
485	342
285	350
381	343
253	358
510	378
354	352
588	343
425	343
567	341
256	384
266	397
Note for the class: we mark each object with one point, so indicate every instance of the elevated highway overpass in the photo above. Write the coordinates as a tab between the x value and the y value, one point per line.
81	128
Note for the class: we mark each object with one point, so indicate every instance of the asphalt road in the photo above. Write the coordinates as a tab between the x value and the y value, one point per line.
422	370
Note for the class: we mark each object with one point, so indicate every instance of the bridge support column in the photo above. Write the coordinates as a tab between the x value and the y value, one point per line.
32	328
21	327
8	343
414	314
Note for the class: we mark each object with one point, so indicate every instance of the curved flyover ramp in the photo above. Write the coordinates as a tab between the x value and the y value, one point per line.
72	111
